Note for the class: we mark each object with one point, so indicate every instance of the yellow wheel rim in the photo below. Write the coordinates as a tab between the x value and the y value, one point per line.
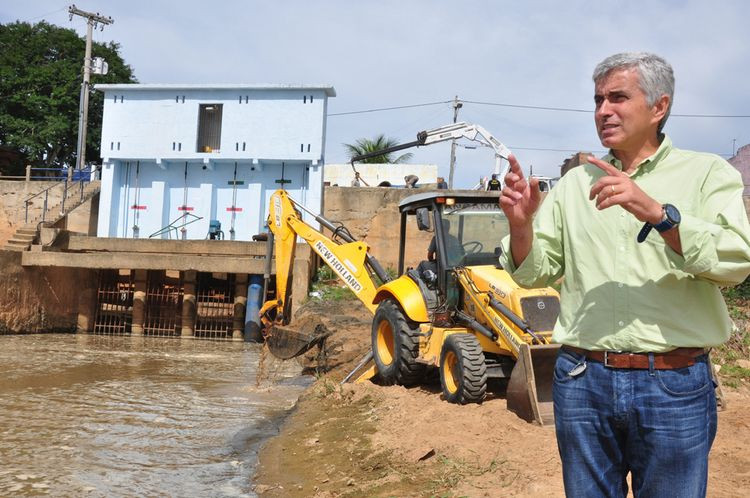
385	342
450	371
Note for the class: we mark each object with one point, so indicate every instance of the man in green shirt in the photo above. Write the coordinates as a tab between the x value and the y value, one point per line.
644	238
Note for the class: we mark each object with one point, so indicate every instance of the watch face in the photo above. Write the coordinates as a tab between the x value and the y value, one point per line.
673	215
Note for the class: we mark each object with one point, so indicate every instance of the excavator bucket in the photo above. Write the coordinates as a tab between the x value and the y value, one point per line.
286	343
529	392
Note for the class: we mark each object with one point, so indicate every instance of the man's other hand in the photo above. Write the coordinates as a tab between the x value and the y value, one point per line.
617	189
519	199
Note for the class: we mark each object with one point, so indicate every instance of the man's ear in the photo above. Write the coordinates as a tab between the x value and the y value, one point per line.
661	107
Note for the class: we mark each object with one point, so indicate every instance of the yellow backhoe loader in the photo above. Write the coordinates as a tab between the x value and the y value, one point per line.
460	313
457	311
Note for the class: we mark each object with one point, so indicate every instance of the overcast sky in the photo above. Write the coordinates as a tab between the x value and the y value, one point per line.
407	52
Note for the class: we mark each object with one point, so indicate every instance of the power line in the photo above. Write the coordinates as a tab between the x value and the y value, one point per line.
535	107
46	14
520	106
390	108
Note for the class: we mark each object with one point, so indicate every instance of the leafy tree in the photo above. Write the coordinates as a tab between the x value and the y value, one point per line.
40	86
365	146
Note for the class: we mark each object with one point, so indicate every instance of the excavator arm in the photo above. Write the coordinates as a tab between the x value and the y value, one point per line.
453	131
349	259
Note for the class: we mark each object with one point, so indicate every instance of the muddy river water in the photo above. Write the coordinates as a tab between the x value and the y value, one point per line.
84	415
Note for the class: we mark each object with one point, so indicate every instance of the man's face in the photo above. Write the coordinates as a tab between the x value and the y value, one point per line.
624	120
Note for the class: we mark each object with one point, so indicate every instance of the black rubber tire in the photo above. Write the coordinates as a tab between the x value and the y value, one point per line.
395	346
463	371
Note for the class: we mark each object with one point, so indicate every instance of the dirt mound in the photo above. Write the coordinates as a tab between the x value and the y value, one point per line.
370	440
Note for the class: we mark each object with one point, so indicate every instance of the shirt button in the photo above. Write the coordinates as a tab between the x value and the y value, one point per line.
621	323
620	284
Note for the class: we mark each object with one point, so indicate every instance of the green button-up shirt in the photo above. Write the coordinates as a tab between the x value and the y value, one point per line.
619	294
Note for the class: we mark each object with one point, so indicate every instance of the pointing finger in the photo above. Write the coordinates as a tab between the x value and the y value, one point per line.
515	167
605	166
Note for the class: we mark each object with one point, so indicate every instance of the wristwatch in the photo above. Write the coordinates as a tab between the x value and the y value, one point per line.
670	219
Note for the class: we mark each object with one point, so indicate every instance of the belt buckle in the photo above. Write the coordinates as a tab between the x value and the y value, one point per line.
606	358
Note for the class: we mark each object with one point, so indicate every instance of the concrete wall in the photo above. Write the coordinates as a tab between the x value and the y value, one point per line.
371	215
12	205
40	299
342	174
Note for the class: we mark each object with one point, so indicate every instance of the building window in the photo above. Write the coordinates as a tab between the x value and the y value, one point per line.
209	127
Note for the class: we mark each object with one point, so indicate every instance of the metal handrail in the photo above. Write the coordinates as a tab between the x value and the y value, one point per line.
79	184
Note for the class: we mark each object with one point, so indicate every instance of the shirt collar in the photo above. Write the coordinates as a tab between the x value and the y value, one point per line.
650	162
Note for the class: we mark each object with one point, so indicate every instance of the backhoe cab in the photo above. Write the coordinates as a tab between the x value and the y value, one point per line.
462	313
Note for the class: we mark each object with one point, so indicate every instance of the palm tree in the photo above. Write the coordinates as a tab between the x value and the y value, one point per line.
365	146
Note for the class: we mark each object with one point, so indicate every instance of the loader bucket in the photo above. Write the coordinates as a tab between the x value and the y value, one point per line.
286	343
529	393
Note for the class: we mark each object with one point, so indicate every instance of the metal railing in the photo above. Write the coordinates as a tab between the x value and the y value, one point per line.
53	174
68	190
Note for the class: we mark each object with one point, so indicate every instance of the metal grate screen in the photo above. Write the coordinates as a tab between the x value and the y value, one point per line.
163	310
114	311
215	307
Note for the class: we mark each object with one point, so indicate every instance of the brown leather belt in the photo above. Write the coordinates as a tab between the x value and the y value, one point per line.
677	358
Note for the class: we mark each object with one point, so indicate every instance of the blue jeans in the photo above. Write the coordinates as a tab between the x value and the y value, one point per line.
656	424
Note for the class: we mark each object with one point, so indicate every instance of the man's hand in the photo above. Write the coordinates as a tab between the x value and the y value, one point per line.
617	189
519	199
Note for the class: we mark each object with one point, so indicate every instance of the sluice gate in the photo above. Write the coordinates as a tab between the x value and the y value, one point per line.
171	304
114	311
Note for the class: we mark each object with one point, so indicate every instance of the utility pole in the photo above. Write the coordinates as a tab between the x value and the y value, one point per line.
734	147
93	20
456	106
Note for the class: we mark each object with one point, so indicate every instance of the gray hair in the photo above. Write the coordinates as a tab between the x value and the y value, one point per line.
656	77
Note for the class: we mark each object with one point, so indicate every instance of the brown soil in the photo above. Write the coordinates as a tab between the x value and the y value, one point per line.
369	440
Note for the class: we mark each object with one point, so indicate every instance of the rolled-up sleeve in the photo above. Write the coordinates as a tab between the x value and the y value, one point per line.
544	264
716	241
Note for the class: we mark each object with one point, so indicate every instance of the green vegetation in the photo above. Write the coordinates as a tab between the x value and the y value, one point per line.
328	287
734	355
40	87
365	146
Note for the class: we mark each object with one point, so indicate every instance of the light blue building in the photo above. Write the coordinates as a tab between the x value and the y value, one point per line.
176	157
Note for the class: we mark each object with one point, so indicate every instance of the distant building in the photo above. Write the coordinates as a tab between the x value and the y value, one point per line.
375	174
176	157
741	161
575	160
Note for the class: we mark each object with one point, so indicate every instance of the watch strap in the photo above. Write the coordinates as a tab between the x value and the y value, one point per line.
664	225
644	231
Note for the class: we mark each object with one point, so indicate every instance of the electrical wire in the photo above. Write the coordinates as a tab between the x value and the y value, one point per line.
522	106
389	108
589	111
46	14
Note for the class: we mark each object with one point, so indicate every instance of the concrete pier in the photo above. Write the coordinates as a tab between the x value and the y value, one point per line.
139	303
188	303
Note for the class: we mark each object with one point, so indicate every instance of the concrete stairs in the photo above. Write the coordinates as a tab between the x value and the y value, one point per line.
28	233
22	238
